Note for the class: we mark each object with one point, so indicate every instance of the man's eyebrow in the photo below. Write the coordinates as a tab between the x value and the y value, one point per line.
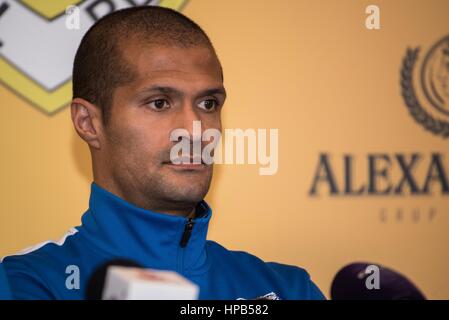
170	90
161	89
212	91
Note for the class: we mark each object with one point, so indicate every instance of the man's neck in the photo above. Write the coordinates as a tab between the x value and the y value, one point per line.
188	211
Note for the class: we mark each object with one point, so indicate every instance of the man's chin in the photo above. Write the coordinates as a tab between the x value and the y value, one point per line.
186	187
186	196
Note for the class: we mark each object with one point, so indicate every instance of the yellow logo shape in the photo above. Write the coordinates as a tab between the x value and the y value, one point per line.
49	9
50	98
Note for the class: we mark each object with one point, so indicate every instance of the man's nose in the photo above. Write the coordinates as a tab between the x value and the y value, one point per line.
190	120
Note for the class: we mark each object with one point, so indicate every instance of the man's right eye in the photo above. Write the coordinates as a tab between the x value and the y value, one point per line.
159	104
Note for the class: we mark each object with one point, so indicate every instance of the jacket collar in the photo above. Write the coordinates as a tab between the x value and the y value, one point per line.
153	239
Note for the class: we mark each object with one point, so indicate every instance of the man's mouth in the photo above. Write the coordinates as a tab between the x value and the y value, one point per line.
186	163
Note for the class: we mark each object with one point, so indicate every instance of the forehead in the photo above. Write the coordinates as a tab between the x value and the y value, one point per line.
155	63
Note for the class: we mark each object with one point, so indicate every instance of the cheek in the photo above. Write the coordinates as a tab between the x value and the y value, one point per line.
212	121
142	138
136	145
147	145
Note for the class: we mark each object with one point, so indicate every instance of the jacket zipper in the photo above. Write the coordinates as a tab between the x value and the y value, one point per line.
187	232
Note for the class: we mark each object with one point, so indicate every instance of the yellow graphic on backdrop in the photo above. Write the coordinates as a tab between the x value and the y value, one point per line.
48	90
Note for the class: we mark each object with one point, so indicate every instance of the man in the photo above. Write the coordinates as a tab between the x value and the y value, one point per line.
138	75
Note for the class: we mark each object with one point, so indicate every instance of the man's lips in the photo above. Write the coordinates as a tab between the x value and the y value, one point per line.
191	166
186	163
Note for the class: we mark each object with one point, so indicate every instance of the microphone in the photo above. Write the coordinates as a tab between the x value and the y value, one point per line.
95	285
350	284
5	293
122	279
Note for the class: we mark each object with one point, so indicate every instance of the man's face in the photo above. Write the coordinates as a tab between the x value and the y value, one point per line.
174	87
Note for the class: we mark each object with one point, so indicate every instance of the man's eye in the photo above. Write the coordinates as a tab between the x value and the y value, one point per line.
159	104
208	105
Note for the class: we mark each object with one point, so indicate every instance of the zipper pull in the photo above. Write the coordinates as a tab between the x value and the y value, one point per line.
187	233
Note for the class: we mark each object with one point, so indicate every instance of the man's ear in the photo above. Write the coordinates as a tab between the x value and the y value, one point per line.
88	122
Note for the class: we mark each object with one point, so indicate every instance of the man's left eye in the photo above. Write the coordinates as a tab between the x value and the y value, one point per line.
208	105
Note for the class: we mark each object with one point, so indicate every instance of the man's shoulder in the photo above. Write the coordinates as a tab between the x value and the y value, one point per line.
27	268
244	257
39	251
287	276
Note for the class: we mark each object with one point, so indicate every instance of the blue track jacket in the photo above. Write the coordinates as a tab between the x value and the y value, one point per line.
113	228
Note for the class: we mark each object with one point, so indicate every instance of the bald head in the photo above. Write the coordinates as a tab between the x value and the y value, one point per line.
101	65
